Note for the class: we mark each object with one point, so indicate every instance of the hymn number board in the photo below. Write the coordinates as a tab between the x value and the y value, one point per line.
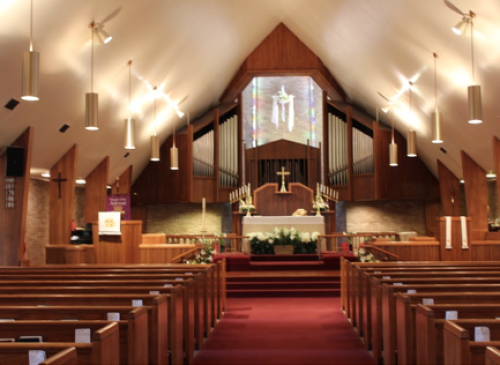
10	191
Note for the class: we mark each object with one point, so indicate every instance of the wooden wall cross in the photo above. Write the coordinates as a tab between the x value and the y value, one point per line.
59	181
282	174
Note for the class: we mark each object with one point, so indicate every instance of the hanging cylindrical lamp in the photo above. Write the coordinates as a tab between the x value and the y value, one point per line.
30	68
91	99
129	122
174	152
411	140
155	144
436	115
474	91
393	147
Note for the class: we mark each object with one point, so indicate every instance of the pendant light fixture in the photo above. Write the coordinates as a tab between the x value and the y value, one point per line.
30	68
91	98
393	147
412	135
155	145
129	122
174	152
436	115
474	91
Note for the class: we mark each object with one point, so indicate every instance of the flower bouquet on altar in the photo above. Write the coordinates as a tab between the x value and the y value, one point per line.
247	206
319	204
365	256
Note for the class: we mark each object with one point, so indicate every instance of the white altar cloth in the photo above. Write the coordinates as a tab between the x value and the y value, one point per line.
268	223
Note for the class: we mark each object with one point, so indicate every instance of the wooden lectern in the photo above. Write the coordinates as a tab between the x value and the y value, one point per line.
123	249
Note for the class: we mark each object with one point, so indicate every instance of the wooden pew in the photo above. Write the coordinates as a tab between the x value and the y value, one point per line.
206	305
380	304
492	356
429	324
459	344
57	354
404	304
104	348
181	324
133	325
157	314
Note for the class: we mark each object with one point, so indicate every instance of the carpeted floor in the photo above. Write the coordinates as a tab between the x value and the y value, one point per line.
283	331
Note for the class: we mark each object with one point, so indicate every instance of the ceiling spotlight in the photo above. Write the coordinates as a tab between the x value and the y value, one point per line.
102	35
46	174
462	26
80	181
491	174
30	68
462	181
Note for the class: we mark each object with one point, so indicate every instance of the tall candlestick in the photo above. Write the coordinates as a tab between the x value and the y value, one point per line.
317	188
249	190
203	214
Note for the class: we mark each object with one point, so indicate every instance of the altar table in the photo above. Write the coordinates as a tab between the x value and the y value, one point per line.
268	223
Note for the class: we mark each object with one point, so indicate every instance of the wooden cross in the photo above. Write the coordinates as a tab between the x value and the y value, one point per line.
59	181
283	174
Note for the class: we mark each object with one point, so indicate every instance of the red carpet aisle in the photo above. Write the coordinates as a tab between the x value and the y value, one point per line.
283	331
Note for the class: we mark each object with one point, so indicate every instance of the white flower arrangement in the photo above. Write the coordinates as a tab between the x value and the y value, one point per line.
263	242
365	256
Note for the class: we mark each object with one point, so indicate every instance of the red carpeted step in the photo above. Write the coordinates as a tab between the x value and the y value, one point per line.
283	293
304	257
283	285
276	277
287	265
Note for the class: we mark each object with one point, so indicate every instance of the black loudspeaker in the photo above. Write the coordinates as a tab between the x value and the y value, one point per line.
15	162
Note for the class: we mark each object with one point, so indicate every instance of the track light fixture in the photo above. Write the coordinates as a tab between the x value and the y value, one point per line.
436	115
463	25
30	68
129	122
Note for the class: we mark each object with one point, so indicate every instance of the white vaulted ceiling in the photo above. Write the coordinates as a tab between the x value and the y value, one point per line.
191	49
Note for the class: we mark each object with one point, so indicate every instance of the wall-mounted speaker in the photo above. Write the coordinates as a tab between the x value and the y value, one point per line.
15	162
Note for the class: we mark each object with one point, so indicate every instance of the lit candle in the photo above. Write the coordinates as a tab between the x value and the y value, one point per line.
203	214
317	188
249	190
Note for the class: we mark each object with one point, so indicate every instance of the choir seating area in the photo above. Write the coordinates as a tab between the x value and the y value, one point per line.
425	312
133	314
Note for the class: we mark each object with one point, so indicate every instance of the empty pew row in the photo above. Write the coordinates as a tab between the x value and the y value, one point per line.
134	332
492	356
103	349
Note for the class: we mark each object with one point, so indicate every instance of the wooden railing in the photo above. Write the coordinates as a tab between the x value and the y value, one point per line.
188	255
382	251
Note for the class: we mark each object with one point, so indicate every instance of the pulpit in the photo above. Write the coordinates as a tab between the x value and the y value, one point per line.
122	249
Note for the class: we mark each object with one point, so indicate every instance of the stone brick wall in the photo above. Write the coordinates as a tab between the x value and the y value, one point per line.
185	218
401	216
37	222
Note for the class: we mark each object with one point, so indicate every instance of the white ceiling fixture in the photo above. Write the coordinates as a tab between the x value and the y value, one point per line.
155	144
91	98
436	115
129	122
412	135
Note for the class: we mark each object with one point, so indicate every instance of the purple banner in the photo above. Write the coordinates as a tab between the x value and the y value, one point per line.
119	203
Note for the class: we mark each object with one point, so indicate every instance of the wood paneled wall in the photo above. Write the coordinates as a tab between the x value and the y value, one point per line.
449	187
283	53
476	196
123	184
411	179
269	201
95	191
496	159
61	208
13	220
158	183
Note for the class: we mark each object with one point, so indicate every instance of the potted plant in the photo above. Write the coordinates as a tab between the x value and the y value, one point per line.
284	242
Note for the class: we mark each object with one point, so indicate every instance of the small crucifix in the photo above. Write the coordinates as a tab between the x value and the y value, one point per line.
59	181
283	174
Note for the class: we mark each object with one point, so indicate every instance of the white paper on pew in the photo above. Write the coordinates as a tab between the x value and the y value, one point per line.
168	286
377	272
113	316
179	279
82	335
188	273
397	284
7	319
481	334
386	277
451	315
70	319
411	291
136	302
428	301
154	292
36	357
